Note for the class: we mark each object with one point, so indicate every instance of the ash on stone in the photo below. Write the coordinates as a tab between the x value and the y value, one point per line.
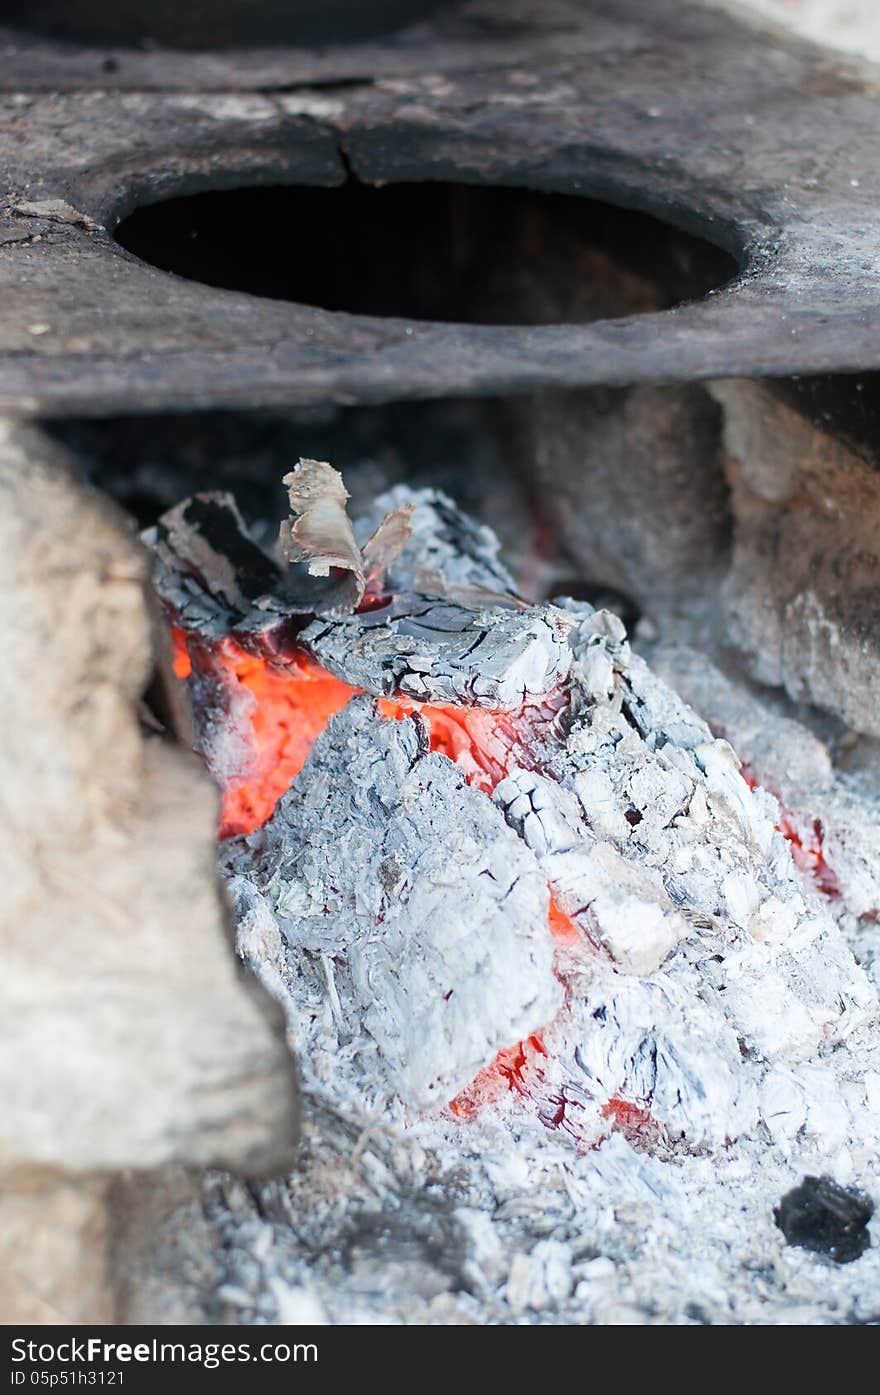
823	1216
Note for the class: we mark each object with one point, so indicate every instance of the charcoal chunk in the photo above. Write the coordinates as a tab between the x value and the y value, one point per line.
821	1215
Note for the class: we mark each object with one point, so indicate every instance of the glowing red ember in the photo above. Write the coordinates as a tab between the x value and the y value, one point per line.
294	700
806	838
485	744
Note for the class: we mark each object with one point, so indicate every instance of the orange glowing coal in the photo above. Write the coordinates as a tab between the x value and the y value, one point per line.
181	662
292	708
484	743
519	1069
507	1072
292	703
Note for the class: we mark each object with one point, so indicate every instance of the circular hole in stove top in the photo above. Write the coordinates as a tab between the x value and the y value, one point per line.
457	253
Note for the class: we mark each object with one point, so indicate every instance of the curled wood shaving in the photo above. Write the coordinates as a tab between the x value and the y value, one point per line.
320	535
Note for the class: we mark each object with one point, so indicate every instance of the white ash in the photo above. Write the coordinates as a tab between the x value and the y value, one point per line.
427	932
223	713
438	650
646	843
449	634
443	543
709	987
786	757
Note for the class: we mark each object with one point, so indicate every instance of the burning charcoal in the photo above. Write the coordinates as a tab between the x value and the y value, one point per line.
830	823
595	881
623	907
534	933
821	1215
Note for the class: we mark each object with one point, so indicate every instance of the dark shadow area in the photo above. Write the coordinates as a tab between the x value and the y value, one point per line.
446	252
844	405
479	451
475	449
216	23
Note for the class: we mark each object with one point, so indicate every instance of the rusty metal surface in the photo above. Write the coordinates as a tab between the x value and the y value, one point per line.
762	144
